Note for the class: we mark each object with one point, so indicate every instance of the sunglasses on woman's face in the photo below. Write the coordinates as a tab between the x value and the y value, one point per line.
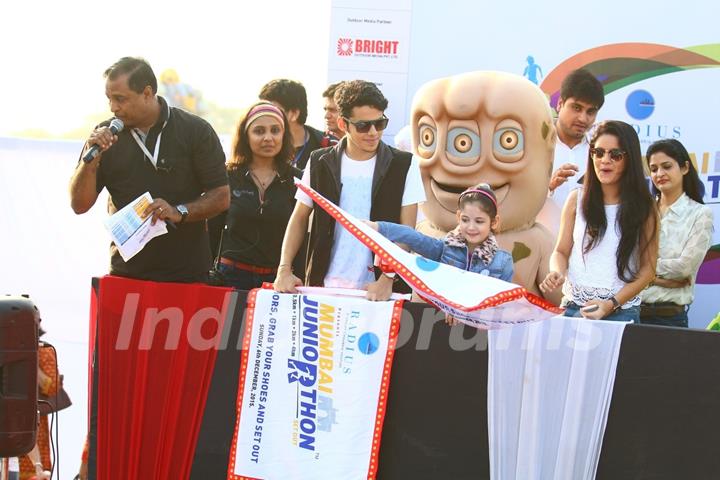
616	154
363	126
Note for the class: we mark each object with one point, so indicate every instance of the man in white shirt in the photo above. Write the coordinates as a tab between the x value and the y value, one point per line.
581	97
366	178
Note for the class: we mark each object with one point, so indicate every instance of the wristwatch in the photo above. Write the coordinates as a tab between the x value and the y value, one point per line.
183	212
385	268
615	303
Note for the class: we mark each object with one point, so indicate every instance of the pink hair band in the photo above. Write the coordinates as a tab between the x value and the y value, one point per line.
477	190
263	110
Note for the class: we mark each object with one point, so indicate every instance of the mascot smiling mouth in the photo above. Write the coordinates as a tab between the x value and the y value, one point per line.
447	195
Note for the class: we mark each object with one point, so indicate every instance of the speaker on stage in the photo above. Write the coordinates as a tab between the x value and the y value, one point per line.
18	375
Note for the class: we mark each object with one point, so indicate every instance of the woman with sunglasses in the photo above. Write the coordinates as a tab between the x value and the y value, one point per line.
685	234
262	197
607	246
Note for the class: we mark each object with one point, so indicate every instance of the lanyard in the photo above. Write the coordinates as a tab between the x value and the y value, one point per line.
153	158
300	152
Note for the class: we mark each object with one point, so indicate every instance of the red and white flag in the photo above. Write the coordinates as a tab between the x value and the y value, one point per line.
477	300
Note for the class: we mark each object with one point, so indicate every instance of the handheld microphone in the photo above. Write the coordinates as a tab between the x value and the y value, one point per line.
116	125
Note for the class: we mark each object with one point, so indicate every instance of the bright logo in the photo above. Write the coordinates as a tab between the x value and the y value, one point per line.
344	47
640	104
368	343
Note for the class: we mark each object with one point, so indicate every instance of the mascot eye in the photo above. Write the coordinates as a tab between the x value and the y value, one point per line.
427	137
463	143
508	141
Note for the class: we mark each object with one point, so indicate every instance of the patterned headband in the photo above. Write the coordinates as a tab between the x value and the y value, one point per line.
477	190
262	110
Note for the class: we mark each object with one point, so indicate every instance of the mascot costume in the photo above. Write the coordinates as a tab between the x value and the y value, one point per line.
496	128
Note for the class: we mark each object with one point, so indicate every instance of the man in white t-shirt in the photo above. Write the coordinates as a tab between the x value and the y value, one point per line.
581	97
366	178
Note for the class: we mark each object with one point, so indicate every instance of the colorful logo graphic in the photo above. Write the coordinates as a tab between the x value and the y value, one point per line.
640	104
344	47
621	64
368	343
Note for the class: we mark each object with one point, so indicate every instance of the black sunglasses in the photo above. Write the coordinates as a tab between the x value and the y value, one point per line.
616	154
363	126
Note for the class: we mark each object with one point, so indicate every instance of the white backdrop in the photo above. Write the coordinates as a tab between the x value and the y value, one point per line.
51	254
463	36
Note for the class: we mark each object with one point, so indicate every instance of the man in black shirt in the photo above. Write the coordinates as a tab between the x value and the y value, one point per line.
174	155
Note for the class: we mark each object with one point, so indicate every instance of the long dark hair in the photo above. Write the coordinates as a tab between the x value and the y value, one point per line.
636	203
242	154
674	149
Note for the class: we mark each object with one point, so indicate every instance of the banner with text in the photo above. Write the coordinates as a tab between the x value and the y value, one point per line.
313	386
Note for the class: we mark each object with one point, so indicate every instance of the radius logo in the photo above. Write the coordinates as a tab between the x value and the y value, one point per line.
640	104
368	343
344	47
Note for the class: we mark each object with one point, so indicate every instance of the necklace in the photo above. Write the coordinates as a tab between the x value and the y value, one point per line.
267	178
262	185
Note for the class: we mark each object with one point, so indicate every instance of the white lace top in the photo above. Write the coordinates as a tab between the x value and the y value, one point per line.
594	275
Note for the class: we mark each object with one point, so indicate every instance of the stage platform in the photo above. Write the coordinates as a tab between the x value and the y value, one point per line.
664	420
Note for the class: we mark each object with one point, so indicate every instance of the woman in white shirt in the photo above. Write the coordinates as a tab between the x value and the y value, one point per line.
607	245
685	234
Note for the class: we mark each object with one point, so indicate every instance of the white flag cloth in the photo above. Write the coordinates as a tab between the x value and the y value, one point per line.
549	390
478	300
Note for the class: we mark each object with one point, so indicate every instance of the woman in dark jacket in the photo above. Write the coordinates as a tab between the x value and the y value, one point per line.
262	198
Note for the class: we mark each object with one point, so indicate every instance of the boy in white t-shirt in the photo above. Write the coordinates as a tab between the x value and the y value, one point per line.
365	177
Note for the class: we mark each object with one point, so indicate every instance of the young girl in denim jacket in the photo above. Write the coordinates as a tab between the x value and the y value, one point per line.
470	246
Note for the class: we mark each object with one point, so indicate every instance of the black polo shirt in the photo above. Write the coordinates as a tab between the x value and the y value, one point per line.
255	230
190	161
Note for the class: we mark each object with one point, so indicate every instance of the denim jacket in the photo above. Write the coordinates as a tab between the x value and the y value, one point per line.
451	250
